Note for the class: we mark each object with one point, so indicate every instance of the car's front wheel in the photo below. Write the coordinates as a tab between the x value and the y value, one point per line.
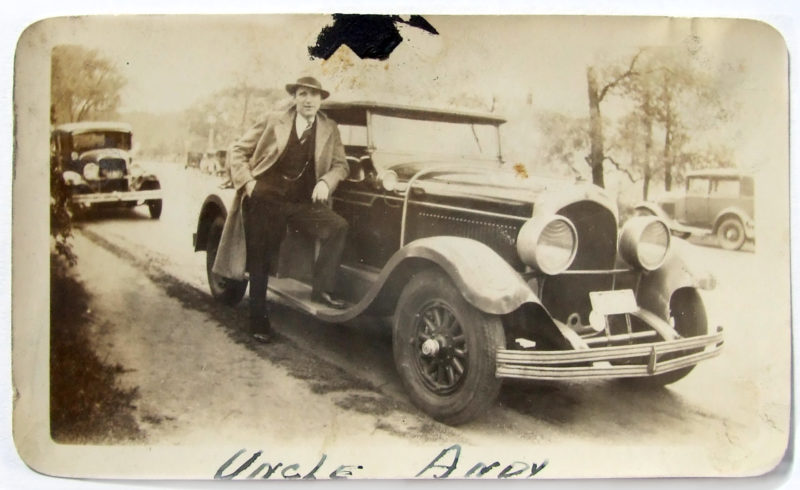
445	349
224	290
154	206
688	315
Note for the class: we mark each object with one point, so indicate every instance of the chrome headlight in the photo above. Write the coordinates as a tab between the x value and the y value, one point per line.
548	244
644	242
388	180
91	171
72	178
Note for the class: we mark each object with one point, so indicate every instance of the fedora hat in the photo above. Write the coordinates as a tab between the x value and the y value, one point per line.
308	82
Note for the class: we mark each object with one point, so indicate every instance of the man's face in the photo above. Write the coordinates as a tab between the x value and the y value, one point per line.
307	101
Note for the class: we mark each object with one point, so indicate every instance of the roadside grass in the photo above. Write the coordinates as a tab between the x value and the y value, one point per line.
86	404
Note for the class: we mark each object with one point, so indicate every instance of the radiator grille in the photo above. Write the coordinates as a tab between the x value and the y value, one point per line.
496	234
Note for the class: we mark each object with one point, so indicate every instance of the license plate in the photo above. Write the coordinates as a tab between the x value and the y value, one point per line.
613	302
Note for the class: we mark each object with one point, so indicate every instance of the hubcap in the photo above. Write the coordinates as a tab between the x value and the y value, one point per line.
439	340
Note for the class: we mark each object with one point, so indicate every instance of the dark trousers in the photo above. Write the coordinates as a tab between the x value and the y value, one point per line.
267	216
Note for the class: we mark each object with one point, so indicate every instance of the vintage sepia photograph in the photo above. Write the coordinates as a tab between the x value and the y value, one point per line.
348	246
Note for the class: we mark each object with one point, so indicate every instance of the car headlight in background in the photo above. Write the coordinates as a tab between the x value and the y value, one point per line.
91	171
548	244
644	242
72	178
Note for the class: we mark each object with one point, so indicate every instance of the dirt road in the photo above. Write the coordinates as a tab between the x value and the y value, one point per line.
201	378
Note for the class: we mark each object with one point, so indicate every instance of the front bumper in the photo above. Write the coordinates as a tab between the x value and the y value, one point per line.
117	196
641	360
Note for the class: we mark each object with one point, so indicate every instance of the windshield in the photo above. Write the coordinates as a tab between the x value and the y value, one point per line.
82	142
416	136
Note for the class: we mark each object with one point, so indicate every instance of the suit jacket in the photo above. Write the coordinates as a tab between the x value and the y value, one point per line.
253	154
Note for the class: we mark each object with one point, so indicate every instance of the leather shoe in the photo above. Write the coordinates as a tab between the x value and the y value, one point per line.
328	300
261	330
264	338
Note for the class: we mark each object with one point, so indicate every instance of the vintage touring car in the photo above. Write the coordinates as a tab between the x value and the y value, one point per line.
487	273
94	160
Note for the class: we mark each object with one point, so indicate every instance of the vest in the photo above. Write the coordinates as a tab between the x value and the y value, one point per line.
294	173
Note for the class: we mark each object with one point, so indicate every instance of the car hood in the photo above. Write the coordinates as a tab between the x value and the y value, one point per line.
498	183
95	156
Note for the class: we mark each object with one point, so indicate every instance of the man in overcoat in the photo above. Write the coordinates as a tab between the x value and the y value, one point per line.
285	170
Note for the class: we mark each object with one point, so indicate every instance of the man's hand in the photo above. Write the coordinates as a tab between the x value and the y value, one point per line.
321	192
249	186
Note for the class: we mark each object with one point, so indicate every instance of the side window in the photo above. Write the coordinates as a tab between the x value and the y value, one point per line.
747	186
726	188
697	187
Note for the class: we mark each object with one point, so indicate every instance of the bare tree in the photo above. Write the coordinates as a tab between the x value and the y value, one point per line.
84	85
597	91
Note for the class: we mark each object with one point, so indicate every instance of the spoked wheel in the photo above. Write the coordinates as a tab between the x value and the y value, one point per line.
442	348
224	290
445	349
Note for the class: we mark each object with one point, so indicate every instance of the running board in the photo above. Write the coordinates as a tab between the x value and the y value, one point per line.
297	295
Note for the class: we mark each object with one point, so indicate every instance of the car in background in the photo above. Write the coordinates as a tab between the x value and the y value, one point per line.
714	201
94	160
488	273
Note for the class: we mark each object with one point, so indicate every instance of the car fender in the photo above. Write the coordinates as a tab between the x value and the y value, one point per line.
747	222
216	204
655	209
657	287
485	280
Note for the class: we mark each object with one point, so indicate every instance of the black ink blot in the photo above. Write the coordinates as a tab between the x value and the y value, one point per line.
369	36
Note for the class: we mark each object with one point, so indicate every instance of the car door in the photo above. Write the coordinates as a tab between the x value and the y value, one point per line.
725	193
696	201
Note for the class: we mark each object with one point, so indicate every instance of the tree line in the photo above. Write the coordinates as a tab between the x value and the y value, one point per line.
649	114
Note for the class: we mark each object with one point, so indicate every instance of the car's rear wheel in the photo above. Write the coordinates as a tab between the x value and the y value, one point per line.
730	234
224	290
445	349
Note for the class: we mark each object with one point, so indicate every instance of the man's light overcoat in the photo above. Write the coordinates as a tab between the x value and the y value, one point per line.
253	154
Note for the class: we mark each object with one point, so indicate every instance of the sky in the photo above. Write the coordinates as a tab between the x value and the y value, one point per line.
172	62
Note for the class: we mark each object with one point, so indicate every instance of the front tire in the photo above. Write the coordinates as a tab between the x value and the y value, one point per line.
688	313
227	291
730	234
154	207
445	349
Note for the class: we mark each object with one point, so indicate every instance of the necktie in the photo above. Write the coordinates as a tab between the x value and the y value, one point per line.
306	132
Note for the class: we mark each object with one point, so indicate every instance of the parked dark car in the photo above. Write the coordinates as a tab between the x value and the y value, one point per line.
94	159
714	201
487	273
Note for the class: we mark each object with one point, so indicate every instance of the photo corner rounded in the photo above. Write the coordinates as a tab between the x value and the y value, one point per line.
33	448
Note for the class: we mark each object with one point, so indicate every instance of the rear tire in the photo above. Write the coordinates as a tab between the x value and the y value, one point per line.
445	349
227	291
730	234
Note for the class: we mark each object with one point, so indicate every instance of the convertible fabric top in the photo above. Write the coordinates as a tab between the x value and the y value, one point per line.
89	126
355	113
